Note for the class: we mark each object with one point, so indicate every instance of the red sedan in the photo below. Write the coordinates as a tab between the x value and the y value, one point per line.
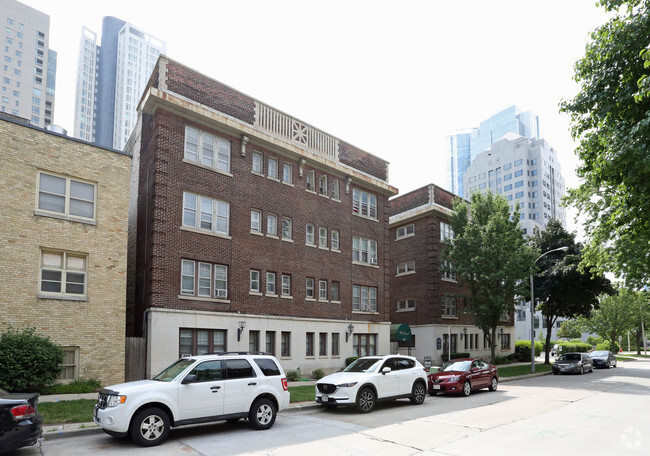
461	376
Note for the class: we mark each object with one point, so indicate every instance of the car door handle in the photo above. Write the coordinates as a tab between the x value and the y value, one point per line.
252	384
215	389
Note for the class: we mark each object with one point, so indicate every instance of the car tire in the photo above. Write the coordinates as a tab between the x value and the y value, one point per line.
150	426
615	363
582	370
418	393
366	400
609	364
467	389
494	384
591	369
262	414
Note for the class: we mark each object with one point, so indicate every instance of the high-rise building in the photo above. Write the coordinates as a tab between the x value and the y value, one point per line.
463	146
29	65
110	81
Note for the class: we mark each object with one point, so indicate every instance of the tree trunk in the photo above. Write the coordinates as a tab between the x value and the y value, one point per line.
550	321
493	334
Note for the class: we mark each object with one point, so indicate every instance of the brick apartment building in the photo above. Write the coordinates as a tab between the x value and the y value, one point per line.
252	230
424	298
63	234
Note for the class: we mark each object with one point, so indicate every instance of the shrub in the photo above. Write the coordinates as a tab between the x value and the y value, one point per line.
80	386
606	345
522	350
445	356
504	359
318	374
570	347
28	361
293	376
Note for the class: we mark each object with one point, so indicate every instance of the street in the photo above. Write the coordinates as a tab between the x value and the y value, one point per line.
603	413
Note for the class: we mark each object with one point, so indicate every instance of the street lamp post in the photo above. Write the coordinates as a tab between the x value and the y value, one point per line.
532	309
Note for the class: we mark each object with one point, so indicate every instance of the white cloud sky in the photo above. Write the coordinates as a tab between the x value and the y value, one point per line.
392	78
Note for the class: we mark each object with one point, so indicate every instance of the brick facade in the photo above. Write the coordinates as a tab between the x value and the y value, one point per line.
94	323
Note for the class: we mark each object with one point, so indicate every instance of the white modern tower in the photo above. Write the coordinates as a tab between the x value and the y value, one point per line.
28	64
110	80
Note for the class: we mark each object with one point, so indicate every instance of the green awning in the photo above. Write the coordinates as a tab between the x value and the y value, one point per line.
400	333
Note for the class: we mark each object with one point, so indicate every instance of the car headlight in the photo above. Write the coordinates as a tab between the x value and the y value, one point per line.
453	379
346	385
114	400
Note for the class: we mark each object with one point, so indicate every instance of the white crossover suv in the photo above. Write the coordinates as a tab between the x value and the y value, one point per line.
374	378
198	389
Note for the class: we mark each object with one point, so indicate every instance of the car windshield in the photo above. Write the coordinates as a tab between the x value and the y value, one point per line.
599	354
174	370
457	366
570	357
362	365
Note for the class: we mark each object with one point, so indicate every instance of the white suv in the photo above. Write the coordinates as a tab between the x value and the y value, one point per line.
374	378
198	389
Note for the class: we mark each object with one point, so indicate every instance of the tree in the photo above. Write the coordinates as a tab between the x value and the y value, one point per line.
563	288
615	316
610	118
490	255
570	329
27	360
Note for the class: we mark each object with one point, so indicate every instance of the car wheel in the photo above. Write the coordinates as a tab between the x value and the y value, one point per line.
609	364
150	427
366	400
582	370
591	369
262	414
615	363
494	384
418	394
467	389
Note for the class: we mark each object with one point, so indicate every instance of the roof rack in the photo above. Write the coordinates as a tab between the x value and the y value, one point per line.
235	353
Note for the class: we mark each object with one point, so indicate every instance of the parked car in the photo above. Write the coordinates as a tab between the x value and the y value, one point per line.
603	358
198	389
374	378
461	376
573	363
20	423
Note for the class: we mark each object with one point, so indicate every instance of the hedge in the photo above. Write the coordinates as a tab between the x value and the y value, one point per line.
522	350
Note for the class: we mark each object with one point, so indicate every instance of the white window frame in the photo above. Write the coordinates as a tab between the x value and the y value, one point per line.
287	228
364	298
257	163
335	240
64	269
194	214
322	237
309	235
286	285
220	276
406	267
287	173
67	196
256	221
271	225
406	304
311	181
309	288
335	189
335	291
70	364
272	168
270	283
322	290
364	204
405	231
254	281
446	232
364	251
449	307
322	185
218	159
216	277
448	272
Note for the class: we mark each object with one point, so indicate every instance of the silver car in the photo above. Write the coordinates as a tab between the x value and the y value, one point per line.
573	363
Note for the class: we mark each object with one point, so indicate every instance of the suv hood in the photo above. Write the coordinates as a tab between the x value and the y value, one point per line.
343	377
122	388
448	374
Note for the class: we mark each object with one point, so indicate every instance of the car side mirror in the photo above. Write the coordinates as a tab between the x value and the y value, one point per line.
189	378
385	370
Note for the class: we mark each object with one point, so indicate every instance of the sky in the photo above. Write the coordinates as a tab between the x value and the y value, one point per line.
391	78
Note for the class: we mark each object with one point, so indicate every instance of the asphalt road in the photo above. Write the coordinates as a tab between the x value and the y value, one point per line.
602	413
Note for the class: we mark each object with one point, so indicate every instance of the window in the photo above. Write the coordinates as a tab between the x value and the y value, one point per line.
507	188
253	342
194	342
309	288
322	237
286	285
405	231
322	344
309	234
519	184
507	177
220	281
287	173
255	281
258	163
201	147
201	212
69	366
69	197
311	179
364	250
406	304
322	290
287	228
334	239
505	341
364	344
309	344
507	166
63	273
406	267
335	344
272	224
364	298
197	279
272	168
322	185
256	217
364	203
285	342
335	193
449	306
447	270
518	162
270	283
519	195
446	232
334	293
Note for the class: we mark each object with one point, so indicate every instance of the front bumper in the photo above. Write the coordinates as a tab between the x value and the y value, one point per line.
570	369
114	419
447	387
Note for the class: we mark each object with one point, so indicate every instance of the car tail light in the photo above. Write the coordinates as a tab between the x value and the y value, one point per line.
23	412
285	385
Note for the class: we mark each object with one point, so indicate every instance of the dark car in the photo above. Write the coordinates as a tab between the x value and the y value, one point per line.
603	358
20	423
461	376
573	363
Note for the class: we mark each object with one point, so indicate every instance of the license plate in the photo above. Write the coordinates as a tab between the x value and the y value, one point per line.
436	387
324	398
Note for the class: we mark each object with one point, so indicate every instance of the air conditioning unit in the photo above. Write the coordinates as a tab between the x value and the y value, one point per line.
222	293
373	261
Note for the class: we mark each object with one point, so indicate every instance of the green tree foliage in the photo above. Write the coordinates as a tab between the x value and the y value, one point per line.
562	287
490	255
610	118
27	360
570	329
615	316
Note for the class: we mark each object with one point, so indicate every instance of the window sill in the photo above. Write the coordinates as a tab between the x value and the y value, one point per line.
324	195
322	301
307	244
410	309
448	317
286	297
365	312
257	173
206	232
257	233
338	200
444	279
406	236
62	297
69	218
209	168
271	295
365	217
289	184
335	302
310	299
405	273
274	179
335	251
272	236
313	192
287	240
203	299
323	248
368	265
255	293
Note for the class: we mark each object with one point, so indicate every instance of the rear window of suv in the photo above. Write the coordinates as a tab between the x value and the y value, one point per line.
267	366
239	368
